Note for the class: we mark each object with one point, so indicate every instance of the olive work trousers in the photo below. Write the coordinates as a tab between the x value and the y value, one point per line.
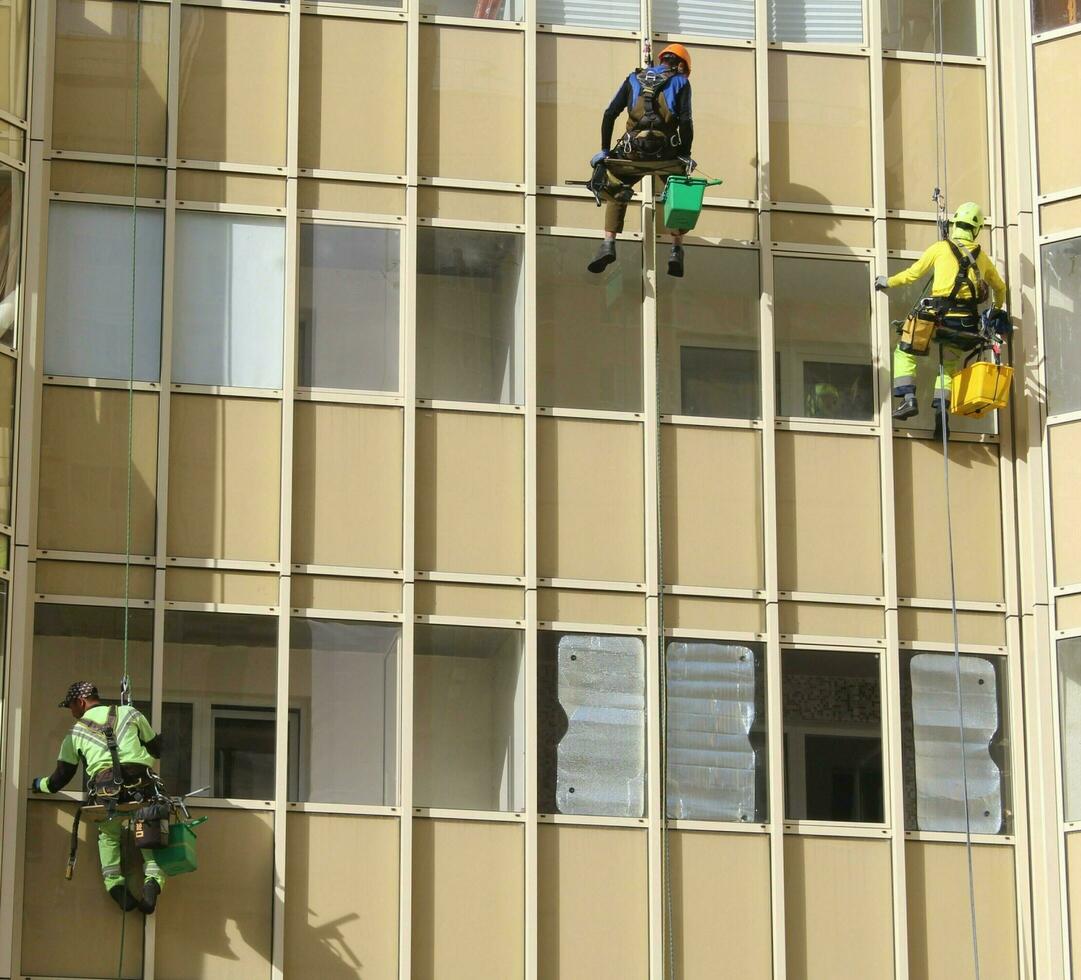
622	173
110	842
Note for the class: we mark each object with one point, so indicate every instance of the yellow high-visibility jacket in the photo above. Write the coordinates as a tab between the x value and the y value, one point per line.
940	257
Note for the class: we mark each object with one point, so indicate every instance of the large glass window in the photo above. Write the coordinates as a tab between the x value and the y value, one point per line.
591	724
716	731
11	214
816	21
932	742
1062	324
88	297
480	9
470	310
229	300
716	18
223	669
1069	709
832	705
468	718
909	25
621	15
708	330
350	307
589	328
343	683
822	329
1049	14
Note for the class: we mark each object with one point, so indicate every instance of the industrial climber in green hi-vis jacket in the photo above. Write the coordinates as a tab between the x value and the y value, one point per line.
137	746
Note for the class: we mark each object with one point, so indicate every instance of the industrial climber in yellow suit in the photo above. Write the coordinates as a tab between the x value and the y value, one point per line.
962	274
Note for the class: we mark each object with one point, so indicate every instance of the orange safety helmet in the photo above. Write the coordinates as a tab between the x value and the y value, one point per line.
680	52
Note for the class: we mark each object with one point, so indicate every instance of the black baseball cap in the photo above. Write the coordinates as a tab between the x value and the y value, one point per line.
80	689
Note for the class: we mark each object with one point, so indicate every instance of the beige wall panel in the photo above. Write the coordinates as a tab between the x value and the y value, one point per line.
475	601
1058	146
731	224
79	177
233	70
468	900
14	28
94	75
590	500
1073	886
347	485
1067	611
86	910
82	494
339	592
922	569
580	606
333	134
455	204
592	905
470	495
828	492
822	229
711	503
570	101
705	868
209	585
1060	216
91	579
702	613
224	188
912	236
838	908
219	450
333	928
820	129
1064	448
351	197
827	619
936	626
939	922
725	130
577	212
219	920
471	82
908	90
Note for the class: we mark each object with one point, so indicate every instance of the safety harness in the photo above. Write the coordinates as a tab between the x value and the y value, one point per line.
651	126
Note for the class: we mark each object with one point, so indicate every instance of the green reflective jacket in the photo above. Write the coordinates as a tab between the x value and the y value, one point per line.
82	742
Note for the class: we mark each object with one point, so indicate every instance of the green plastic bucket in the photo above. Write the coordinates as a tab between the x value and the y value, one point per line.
683	201
179	856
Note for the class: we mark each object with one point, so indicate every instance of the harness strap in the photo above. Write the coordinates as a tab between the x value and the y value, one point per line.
74	845
966	260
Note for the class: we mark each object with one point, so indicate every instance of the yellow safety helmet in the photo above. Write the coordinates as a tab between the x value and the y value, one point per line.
967	221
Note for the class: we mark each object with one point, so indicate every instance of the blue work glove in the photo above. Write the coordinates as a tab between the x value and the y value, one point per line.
598	157
881	282
35	786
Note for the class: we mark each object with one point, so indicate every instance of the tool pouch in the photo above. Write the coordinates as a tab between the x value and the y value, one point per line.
151	825
916	333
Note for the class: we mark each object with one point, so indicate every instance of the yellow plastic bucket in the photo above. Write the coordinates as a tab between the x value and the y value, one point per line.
683	198
981	388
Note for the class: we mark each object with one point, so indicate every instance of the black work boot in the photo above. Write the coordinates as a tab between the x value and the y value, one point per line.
605	256
151	891
675	262
908	407
123	898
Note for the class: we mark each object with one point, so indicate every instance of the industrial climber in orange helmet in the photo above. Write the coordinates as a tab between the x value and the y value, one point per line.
657	141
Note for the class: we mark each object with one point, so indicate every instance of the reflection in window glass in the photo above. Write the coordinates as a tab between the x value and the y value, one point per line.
816	21
7	434
470	315
468	718
716	731
832	736
1062	324
591	724
225	667
617	15
822	326
931	743
589	328
82	643
715	18
708	330
479	9
350	280
343	681
1049	14
909	25
229	300
1069	702
11	212
88	291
